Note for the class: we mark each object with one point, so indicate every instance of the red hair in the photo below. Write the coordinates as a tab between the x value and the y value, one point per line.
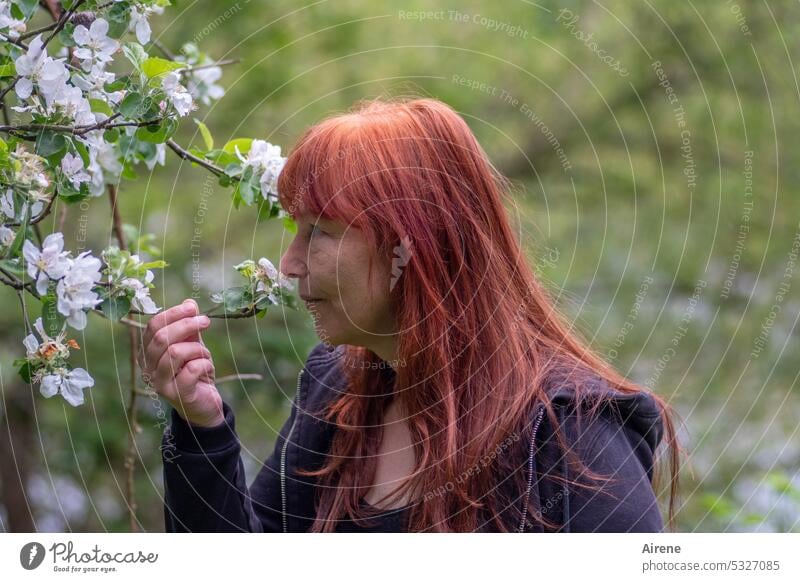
478	334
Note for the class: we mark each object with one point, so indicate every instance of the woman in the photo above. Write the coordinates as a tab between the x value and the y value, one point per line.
447	394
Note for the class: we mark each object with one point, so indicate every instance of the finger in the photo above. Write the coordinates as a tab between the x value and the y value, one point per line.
186	309
175	357
181	330
186	381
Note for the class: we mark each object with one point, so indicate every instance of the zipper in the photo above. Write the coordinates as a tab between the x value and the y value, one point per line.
283	454
536	424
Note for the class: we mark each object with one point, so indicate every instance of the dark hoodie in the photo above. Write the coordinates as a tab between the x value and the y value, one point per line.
205	488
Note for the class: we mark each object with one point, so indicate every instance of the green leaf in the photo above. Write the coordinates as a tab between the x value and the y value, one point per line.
8	70
26	372
28	7
135	53
118	18
100	106
244	192
236	298
49	143
115	308
209	141
132	105
158	133
65	35
13	250
157	67
289	224
12	266
155	264
243	143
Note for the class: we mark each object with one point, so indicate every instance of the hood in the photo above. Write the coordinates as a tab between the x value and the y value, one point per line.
637	411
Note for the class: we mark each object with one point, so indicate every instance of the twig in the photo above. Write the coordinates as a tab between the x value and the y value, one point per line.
133	334
62	21
192	158
167	53
81	129
208	65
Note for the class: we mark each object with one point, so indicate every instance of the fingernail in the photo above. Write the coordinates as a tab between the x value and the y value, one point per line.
203	319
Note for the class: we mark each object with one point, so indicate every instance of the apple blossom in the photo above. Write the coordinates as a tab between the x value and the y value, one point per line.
37	68
72	168
141	299
6	236
70	383
51	262
15	27
177	93
94	44
74	290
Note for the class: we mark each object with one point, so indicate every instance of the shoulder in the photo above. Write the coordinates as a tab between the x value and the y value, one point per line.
608	461
322	377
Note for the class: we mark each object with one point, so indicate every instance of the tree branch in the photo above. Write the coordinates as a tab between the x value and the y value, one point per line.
192	158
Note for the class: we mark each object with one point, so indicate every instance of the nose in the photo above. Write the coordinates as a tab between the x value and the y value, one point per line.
292	264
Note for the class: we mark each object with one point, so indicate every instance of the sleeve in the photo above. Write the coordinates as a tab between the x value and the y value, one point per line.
204	480
627	503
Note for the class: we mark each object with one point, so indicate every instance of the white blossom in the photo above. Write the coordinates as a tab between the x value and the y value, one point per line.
72	167
51	262
103	156
266	274
177	93
70	383
7	204
74	290
95	46
6	236
141	298
15	26
159	158
139	23
93	83
266	160
269	179
202	84
50	349
37	68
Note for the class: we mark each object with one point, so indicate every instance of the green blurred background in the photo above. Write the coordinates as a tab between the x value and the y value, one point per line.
677	264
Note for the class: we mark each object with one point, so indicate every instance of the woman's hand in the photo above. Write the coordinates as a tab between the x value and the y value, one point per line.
178	366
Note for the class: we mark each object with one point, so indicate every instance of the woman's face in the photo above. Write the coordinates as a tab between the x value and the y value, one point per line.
331	262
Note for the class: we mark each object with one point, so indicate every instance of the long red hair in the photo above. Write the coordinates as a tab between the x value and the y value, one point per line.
478	334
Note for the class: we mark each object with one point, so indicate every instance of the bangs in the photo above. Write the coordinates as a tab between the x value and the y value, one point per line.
324	174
